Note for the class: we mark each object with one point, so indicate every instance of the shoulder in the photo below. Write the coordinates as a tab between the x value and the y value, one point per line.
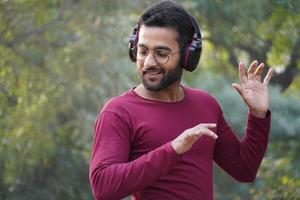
204	101
117	103
200	95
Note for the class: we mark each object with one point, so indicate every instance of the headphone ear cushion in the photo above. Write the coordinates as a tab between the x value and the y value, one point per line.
183	57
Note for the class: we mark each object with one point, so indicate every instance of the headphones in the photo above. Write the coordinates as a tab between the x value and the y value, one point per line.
190	54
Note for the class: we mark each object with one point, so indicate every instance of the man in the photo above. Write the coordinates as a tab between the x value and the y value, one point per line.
159	139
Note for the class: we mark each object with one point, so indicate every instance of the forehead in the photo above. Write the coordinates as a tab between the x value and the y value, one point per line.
155	37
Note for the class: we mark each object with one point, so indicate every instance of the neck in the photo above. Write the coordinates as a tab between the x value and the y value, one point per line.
173	93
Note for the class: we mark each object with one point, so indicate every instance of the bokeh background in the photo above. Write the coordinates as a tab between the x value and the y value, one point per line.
61	60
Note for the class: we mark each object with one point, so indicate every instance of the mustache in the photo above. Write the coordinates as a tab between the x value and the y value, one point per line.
153	69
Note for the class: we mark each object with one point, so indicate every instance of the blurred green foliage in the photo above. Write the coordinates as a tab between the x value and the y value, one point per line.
61	60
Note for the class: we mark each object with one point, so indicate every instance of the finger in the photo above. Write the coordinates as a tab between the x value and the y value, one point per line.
208	133
203	125
193	133
252	69
238	88
268	77
259	71
242	73
207	125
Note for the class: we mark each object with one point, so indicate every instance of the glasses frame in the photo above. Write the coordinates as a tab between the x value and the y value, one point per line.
134	50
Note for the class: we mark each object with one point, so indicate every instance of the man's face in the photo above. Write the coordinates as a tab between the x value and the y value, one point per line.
158	42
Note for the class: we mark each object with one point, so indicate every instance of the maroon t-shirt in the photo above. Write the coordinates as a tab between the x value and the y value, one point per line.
132	153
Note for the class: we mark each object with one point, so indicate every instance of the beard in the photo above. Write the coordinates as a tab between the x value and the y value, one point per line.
167	77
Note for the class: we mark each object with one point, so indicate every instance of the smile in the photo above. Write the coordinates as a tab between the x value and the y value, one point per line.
152	71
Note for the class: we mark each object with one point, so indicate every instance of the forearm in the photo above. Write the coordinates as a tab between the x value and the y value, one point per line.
254	144
242	159
118	180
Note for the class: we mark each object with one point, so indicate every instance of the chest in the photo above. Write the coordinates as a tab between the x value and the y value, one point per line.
158	126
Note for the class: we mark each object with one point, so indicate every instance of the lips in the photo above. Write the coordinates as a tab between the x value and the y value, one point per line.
152	71
152	74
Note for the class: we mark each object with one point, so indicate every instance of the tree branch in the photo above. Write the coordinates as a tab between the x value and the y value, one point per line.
285	79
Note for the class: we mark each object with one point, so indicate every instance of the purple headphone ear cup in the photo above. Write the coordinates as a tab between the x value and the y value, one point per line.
133	42
192	52
130	52
190	59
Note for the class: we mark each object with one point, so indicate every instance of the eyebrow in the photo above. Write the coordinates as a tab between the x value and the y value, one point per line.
157	47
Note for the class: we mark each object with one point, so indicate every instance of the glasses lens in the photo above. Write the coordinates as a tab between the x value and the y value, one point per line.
161	55
141	53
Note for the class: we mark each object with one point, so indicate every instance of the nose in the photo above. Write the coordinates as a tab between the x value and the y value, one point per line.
150	60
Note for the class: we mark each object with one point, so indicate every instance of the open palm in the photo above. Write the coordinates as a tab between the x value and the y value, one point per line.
253	91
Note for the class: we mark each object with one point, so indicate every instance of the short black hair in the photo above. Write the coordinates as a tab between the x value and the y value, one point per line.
170	14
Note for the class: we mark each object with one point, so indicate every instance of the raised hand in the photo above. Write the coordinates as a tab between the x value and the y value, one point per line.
253	91
185	140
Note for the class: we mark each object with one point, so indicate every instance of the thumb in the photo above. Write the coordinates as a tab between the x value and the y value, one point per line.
238	88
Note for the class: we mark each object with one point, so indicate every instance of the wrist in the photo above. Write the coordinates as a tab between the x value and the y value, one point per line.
176	148
259	114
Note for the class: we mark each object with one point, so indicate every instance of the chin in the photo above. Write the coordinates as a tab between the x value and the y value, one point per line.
152	87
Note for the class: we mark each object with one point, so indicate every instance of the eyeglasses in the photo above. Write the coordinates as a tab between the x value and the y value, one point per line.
161	56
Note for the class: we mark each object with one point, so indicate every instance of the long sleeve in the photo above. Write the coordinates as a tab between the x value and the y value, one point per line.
112	176
242	159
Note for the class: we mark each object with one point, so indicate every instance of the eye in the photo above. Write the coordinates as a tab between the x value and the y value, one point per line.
162	53
142	51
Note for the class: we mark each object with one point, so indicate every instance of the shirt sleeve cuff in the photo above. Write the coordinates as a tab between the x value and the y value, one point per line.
267	118
260	125
170	149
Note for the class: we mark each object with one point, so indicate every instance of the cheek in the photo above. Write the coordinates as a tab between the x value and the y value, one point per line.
139	67
139	64
172	63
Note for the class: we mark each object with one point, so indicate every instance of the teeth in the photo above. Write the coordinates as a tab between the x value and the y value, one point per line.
152	72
